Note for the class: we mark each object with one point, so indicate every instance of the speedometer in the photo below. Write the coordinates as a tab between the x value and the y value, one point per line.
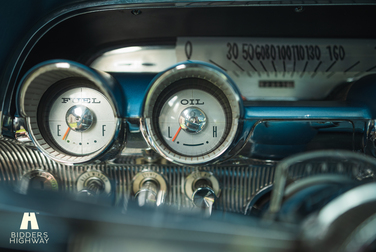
284	68
192	113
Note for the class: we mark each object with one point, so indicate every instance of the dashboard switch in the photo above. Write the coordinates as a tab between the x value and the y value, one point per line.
202	188
149	188
37	180
204	198
92	183
148	193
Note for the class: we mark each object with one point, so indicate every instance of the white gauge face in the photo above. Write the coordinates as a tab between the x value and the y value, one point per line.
192	114
81	121
204	127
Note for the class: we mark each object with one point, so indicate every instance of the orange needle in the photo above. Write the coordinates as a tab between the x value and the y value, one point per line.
176	135
66	133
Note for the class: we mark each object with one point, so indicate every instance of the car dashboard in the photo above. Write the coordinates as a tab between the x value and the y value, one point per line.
189	125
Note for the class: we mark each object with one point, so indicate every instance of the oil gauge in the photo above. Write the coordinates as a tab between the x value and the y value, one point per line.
191	113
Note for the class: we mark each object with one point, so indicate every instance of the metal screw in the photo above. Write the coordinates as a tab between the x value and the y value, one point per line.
299	9
136	12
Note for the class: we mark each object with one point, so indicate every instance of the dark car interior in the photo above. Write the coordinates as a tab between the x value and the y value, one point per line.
188	125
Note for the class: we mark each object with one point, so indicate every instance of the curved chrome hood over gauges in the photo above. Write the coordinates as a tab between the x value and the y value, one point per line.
70	113
192	114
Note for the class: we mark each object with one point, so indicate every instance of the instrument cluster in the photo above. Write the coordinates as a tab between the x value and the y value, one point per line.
193	112
231	111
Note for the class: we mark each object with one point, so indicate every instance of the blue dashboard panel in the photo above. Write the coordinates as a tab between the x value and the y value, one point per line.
134	87
308	110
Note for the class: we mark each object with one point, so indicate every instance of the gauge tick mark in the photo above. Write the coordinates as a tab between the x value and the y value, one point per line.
224	69
193	144
327	70
369	70
238	65
348	69
305	67
275	69
253	68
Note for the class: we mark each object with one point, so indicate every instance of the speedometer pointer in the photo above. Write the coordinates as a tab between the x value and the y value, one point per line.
176	135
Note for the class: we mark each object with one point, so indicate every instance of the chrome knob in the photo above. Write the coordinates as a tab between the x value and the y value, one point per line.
93	182
94	185
148	193
149	188
203	190
192	120
36	180
79	118
204	198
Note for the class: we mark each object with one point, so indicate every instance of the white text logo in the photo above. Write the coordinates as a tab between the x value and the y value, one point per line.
26	237
29	217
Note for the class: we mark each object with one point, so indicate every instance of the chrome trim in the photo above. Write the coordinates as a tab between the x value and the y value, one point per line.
256	197
356	197
149	175
56	70
189	182
362	237
203	71
23	185
298	166
44	75
347	223
239	183
300	184
20	135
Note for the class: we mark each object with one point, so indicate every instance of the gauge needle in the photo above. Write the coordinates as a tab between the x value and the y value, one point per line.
66	133
176	135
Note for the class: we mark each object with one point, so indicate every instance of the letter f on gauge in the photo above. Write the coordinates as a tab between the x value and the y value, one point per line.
29	217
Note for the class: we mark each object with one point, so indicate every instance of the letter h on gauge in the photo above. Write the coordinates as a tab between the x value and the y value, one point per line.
29	217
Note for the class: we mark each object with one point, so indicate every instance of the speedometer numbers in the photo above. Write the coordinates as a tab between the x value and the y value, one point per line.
284	68
191	114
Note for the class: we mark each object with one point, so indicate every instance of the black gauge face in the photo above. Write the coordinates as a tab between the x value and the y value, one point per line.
75	118
192	118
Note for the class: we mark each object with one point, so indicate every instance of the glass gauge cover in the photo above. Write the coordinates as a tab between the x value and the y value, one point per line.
193	121
192	114
73	114
77	119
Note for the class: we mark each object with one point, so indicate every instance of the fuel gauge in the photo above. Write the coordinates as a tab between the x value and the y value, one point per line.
78	120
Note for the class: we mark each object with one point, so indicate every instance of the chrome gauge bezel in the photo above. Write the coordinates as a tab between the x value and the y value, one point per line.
43	76
205	72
